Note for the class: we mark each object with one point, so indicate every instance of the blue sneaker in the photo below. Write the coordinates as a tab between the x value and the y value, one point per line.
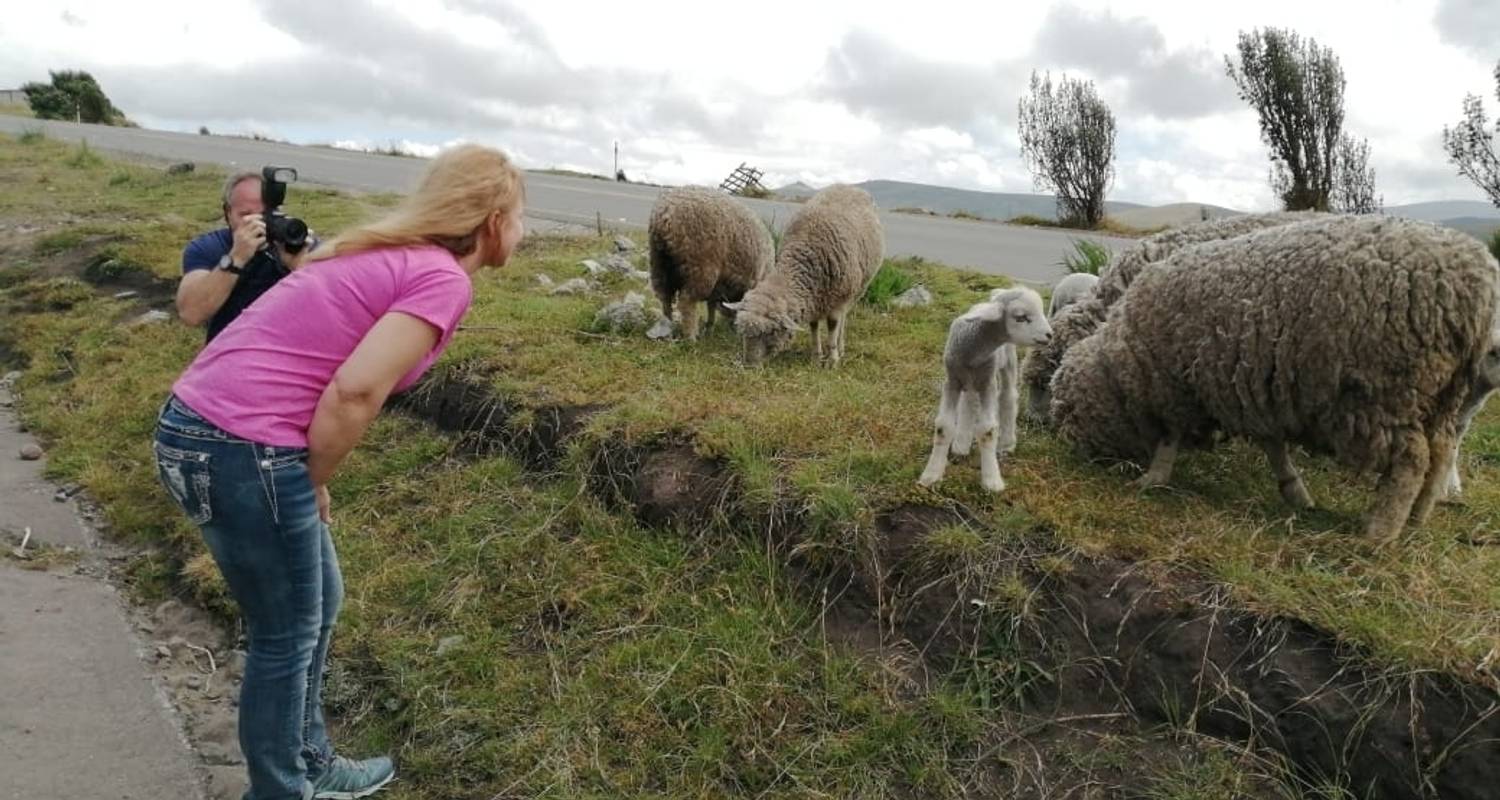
347	779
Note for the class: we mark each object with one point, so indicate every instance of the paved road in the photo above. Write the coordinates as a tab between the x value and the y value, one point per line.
1029	254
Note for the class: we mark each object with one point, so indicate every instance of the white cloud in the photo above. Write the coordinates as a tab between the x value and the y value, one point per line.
839	90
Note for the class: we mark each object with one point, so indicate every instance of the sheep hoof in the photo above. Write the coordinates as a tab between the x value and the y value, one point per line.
992	485
928	479
1380	534
1148	481
1296	496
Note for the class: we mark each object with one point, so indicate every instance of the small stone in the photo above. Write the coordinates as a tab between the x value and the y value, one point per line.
126	295
150	317
162	651
574	286
623	244
194	682
448	643
180	168
640	275
544	280
594	268
392	704
661	330
619	264
30	452
913	297
624	315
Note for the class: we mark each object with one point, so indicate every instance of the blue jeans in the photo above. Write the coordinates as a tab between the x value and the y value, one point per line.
259	517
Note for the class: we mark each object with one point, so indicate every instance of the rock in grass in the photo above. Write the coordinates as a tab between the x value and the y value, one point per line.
30	451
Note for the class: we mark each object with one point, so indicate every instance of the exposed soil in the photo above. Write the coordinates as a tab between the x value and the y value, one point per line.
1162	648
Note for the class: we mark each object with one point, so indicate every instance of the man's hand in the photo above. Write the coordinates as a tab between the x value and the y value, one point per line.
249	238
323	504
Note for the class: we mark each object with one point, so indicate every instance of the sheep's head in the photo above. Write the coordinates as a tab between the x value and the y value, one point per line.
765	331
1089	407
1025	320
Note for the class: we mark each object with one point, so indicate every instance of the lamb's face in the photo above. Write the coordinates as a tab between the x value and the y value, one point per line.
1025	320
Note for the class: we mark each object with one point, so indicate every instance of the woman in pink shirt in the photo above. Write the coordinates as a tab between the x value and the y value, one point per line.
259	422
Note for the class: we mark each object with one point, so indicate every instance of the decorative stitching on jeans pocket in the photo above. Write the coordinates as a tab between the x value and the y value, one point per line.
194	502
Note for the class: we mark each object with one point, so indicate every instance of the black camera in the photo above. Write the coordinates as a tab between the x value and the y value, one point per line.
289	232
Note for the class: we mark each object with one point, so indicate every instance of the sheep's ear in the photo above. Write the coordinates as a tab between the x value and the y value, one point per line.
736	306
786	322
990	311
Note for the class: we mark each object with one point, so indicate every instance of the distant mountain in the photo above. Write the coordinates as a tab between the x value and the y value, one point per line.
892	195
1444	210
1471	216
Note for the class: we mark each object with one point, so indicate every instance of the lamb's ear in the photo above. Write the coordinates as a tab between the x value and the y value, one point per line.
988	311
736	306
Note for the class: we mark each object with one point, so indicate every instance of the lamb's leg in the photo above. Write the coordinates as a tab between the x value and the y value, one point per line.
942	434
690	321
988	436
1009	378
1441	450
1396	493
1288	480
968	417
1160	471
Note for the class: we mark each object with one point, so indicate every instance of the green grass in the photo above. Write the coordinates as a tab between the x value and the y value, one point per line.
601	659
1087	256
16	110
888	284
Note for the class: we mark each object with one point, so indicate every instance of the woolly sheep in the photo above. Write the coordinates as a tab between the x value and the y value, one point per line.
705	247
1360	337
980	386
1072	288
1485	384
829	254
1072	323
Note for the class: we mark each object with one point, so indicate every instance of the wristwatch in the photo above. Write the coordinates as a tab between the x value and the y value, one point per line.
226	263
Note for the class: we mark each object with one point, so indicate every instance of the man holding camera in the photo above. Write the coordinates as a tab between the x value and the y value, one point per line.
224	271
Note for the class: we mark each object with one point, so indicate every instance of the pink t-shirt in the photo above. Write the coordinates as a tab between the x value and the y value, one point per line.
261	378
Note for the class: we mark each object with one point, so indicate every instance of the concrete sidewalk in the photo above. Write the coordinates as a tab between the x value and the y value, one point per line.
81	714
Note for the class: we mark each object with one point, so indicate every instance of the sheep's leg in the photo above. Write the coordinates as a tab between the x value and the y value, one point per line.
988	436
1453	487
690	321
666	304
942	434
835	340
1160	471
1441	450
1288	480
712	308
817	336
968	417
1397	491
1009	402
1037	401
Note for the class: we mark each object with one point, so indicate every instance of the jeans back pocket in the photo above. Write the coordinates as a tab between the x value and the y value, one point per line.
185	473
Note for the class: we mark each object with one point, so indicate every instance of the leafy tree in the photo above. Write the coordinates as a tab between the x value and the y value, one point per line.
1354	179
1297	88
72	95
1068	142
1471	146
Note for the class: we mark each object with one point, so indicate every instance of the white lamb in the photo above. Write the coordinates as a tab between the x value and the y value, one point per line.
1072	288
981	391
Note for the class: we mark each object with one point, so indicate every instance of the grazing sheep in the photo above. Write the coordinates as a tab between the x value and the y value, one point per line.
705	246
1073	288
982	370
1360	337
1485	384
829	254
1071	324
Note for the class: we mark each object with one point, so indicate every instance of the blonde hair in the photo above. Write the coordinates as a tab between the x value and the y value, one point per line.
462	187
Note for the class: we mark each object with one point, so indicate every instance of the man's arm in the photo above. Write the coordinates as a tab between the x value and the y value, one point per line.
203	291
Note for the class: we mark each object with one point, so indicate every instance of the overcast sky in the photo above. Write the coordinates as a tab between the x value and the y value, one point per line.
806	90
